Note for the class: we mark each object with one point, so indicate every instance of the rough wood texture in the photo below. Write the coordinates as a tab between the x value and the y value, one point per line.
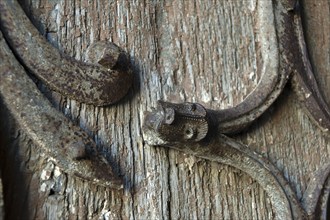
316	19
182	51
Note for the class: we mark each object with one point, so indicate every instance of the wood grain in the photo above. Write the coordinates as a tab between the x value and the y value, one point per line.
182	51
316	19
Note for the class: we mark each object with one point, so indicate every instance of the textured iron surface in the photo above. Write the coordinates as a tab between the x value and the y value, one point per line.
277	65
85	82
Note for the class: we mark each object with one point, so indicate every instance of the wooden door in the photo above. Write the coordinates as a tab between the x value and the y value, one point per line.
181	51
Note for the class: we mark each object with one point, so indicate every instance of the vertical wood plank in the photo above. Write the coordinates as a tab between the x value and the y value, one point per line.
198	51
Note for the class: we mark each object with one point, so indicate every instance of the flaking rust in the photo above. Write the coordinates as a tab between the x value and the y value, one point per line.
185	126
102	82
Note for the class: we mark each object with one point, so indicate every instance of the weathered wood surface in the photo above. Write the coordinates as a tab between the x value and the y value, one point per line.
200	51
316	20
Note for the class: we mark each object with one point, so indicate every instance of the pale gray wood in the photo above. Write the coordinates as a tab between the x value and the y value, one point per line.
201	51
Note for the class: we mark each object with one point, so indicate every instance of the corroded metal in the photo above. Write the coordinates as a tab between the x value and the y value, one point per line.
289	59
85	82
